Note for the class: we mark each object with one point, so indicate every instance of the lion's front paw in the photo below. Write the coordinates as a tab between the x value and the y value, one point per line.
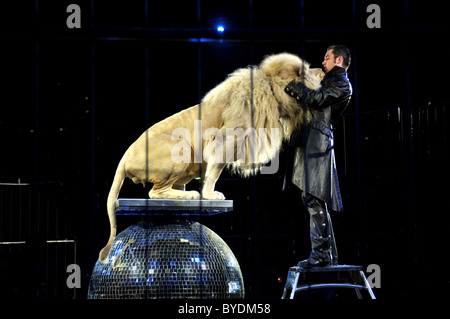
213	195
192	195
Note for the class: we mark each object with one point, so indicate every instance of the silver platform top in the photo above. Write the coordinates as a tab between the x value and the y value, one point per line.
178	207
327	269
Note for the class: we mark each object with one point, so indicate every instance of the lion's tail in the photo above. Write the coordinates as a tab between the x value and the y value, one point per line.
111	203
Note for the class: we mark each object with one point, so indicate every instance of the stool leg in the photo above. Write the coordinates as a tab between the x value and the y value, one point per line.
294	286
287	290
288	285
358	293
366	283
291	284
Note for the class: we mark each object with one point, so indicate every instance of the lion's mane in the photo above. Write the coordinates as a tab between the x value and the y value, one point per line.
256	96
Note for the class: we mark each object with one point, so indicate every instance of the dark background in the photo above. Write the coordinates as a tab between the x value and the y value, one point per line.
73	100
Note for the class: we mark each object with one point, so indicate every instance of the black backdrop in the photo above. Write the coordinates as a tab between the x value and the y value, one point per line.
73	100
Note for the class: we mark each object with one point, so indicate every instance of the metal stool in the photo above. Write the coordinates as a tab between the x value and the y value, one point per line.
340	276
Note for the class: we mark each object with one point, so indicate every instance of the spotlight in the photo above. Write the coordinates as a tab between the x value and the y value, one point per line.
220	28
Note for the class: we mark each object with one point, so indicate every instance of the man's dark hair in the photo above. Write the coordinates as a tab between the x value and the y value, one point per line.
343	51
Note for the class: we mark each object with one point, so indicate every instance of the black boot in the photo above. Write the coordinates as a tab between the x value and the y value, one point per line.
332	241
316	259
320	251
323	246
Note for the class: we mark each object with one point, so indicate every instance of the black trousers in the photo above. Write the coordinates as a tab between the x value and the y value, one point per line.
321	228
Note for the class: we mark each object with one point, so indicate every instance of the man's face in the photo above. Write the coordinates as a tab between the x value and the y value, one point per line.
329	61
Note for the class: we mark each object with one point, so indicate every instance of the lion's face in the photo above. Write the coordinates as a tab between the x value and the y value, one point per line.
310	77
317	73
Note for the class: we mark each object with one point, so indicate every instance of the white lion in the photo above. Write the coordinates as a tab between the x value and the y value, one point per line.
227	106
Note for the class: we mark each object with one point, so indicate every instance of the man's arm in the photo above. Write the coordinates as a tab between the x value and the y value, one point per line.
320	99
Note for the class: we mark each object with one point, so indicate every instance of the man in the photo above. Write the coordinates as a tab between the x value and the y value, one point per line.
314	170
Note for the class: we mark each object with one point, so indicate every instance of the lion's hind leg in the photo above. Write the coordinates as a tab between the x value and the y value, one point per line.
168	191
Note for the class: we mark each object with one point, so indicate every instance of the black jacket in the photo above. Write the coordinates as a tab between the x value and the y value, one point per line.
314	165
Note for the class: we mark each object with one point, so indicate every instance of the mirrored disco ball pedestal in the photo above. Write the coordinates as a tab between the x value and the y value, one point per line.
167	256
